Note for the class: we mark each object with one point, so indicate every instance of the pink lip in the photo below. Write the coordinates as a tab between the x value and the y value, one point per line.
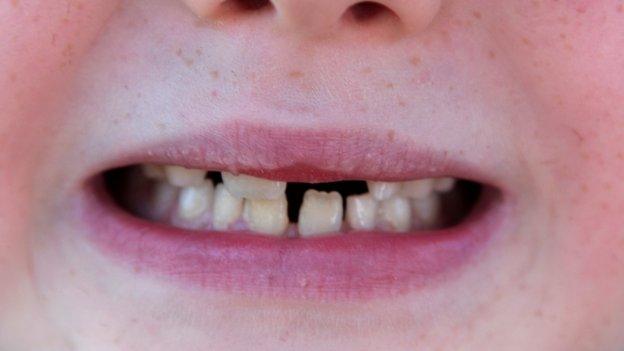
349	266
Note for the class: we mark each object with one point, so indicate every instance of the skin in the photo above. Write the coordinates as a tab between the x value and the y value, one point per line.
536	88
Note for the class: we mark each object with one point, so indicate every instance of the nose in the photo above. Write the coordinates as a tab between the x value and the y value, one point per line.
321	17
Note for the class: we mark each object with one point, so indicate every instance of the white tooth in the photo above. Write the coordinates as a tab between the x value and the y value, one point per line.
194	201
395	214
267	216
253	188
320	213
383	190
227	208
180	176
361	211
444	185
426	211
156	172
417	189
161	202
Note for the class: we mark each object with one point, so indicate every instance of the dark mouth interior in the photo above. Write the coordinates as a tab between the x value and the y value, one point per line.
456	205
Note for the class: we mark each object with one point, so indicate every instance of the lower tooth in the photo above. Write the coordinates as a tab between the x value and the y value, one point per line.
427	211
395	214
227	208
267	216
320	213
444	185
161	202
196	200
180	176
361	211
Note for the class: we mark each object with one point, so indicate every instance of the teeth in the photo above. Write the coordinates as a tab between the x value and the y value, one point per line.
267	216
361	210
383	190
227	208
444	185
427	211
180	176
417	189
395	214
252	187
193	201
320	213
162	199
156	172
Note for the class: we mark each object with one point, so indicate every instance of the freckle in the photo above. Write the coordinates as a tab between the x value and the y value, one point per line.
295	74
367	70
620	155
389	85
491	55
562	35
402	103
526	41
620	8
214	94
415	61
198	52
15	3
214	74
477	14
13	77
391	135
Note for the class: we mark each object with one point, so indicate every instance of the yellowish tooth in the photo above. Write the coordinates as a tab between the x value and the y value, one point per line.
395	214
361	212
194	201
181	176
156	172
320	213
417	189
427	211
444	185
267	216
227	208
249	187
383	190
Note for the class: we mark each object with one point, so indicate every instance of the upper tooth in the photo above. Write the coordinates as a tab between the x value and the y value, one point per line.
361	210
417	189
444	184
180	176
395	214
427	211
154	172
383	190
162	200
320	213
227	208
193	201
252	187
267	216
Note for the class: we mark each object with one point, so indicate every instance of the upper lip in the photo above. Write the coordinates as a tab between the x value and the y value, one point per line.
306	155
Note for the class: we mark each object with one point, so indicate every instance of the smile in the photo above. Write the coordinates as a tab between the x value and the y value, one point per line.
272	212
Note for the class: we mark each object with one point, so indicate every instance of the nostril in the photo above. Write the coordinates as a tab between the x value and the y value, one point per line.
247	5
367	11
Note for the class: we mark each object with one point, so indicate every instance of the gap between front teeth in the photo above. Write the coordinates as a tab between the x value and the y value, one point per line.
186	198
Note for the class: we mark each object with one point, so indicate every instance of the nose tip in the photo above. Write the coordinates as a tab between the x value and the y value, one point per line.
321	17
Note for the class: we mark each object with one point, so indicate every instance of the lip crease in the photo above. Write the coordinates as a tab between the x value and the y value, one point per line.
347	266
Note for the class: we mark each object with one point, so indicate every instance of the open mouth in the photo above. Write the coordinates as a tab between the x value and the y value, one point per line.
201	200
302	229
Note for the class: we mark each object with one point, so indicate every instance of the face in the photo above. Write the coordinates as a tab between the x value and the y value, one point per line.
519	101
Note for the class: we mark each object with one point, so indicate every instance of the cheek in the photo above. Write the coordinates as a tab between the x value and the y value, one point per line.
41	40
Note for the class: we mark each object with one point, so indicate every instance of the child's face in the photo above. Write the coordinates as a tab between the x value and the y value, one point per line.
524	97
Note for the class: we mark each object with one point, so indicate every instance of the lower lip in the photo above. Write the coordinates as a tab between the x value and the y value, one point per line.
348	266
